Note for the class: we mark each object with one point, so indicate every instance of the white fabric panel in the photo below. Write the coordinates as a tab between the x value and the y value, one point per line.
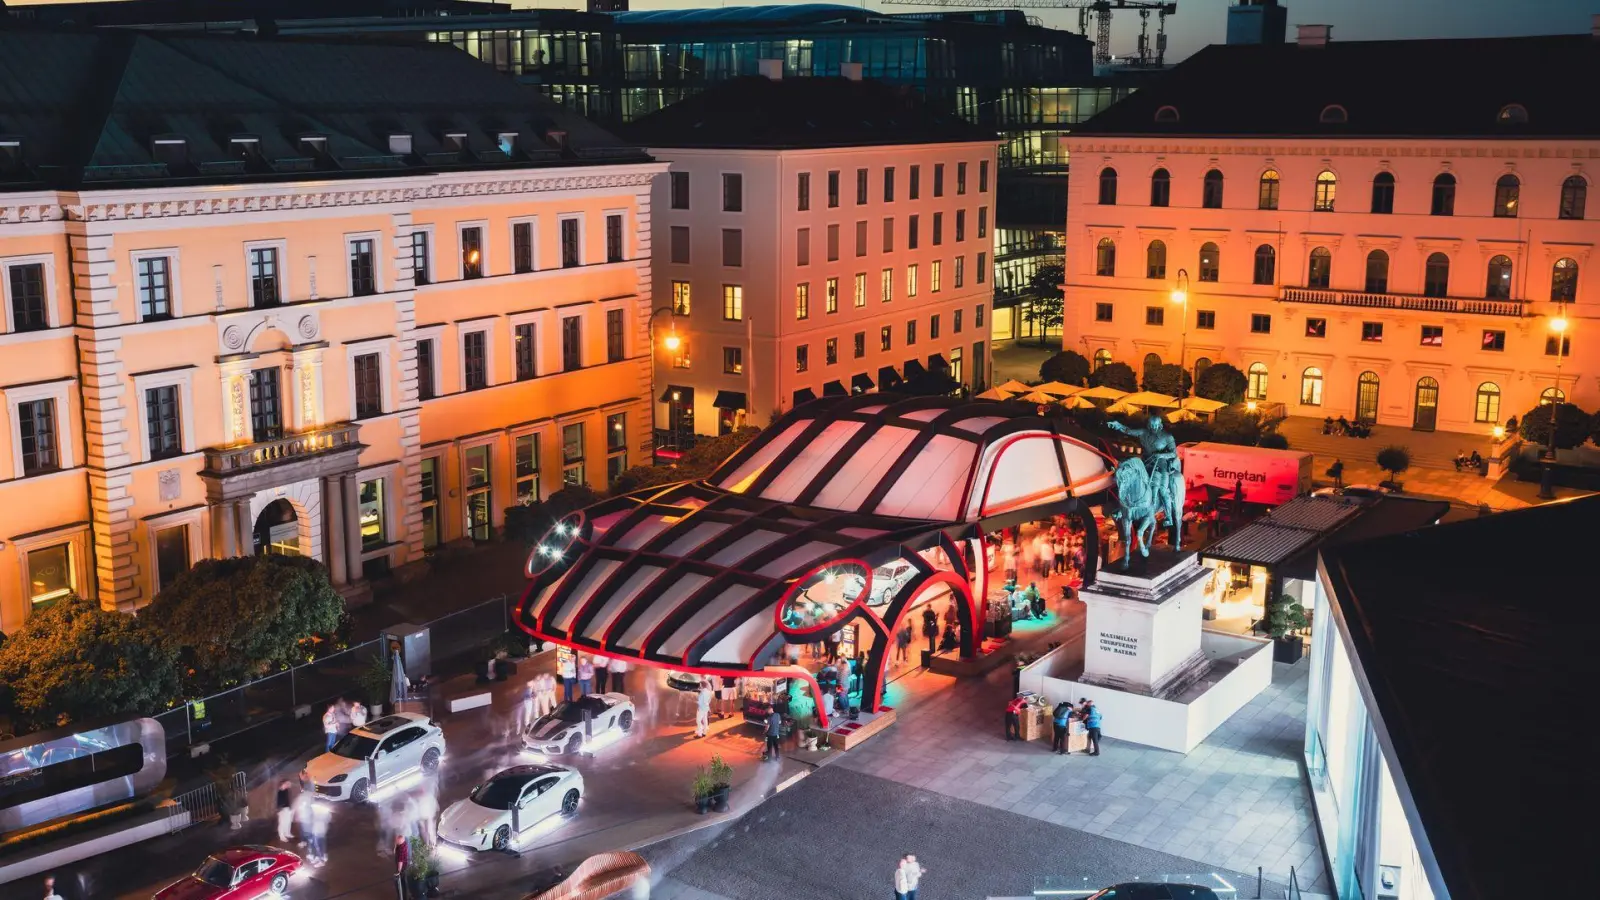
1025	467
685	584
642	533
743	642
979	424
544	598
732	554
925	415
596	574
724	603
817	455
862	533
932	485
604	523
765	455
619	599
799	560
696	536
869	410
859	474
1086	468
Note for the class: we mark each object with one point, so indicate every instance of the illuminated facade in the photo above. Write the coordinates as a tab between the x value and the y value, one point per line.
303	337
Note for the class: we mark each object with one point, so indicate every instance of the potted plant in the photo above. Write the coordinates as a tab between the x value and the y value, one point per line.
423	870
703	788
721	782
375	681
1284	617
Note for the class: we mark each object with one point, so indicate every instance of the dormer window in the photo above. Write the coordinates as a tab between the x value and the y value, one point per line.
455	141
400	144
172	151
245	146
1167	114
10	154
1512	114
557	139
314	144
1333	114
508	142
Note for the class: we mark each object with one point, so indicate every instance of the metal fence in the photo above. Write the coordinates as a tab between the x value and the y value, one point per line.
208	803
272	698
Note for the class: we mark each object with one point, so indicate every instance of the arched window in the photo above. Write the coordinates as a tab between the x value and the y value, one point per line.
1151	360
1333	114
1200	366
1320	274
1211	193
1108	186
1444	195
1505	196
1266	265
1257	388
1436	276
1512	114
1499	287
1327	186
1425	415
1564	281
1160	188
1487	407
1552	395
1311	387
1167	114
1155	260
1210	261
1105	257
1102	358
1574	195
1367	397
1377	272
1268	194
1383	193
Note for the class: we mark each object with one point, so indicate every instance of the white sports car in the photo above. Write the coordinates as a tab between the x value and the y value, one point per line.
887	580
510	804
580	723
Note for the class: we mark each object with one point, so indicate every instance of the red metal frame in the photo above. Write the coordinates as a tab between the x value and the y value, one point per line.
1004	445
858	603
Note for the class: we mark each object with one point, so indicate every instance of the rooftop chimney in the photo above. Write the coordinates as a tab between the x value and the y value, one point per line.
770	69
852	70
1313	35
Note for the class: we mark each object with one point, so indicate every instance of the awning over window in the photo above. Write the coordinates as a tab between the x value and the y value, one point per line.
834	389
685	395
804	395
889	379
731	400
860	383
937	362
914	369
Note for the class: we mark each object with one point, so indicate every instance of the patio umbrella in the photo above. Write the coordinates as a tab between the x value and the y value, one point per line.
995	394
1202	405
1015	387
1151	398
1124	407
1056	387
1101	393
397	683
1077	402
1039	397
1183	414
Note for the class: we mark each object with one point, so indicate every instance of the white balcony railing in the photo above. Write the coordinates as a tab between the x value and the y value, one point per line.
229	460
1482	307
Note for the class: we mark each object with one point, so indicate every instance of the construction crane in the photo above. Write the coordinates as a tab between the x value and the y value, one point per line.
1098	10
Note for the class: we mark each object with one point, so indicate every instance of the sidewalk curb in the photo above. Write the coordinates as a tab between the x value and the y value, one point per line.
784	785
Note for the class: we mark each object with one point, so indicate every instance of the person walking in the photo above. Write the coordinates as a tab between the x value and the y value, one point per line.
1336	472
726	696
1061	718
930	628
902	644
1047	556
602	671
908	876
569	677
702	710
1091	722
50	888
330	726
585	675
618	669
304	807
1014	718
402	859
285	811
774	731
358	715
317	834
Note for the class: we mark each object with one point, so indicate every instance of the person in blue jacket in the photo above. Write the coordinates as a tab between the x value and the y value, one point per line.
1061	717
1091	722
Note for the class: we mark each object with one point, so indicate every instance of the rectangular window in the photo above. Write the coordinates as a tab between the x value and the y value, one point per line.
571	244
933	328
421	272
733	360
1260	323
983	267
1494	340
572	456
911	233
861	187
983	176
983	222
172	554
732	247
888	184
155	288
961	225
802	247
732	192
1102	312
613	238
914	187
616	446
472	252
1155	315
374	530
938	179
911	280
732	303
933	275
955	364
911	332
680	190
263	281
162	426
1372	331
428	497
1205	320
474	350
860	344
36	426
266	417
363	271
615	351
1432	336
425	370
1550	343
938	228
678	244
833	189
571	343
885	338
1316	327
961	178
833	243
886	285
861	239
961	271
680	357
977	321
888	235
861	289
522	247
479	489
803	191
955	323
50	575
681	304
832	351
369	385
524	349
802	301
525	469
802	358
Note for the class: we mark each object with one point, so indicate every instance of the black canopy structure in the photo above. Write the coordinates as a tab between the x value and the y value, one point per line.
834	389
804	395
731	400
861	383
889	379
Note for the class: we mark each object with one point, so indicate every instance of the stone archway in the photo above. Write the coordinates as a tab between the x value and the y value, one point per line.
306	499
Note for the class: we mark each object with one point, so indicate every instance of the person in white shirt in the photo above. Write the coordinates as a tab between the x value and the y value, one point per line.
569	677
358	715
330	726
618	668
906	878
702	710
602	668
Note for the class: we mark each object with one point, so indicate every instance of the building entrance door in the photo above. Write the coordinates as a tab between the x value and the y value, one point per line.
1427	409
278	530
1367	397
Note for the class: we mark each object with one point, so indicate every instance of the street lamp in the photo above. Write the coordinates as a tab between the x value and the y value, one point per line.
1180	296
672	342
1558	327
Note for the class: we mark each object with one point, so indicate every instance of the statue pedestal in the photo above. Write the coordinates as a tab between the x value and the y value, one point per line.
1143	625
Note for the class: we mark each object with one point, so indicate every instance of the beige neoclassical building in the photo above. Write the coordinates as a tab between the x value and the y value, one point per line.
345	301
1360	242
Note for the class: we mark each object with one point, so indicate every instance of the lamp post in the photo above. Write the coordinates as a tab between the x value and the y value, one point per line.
672	342
1180	296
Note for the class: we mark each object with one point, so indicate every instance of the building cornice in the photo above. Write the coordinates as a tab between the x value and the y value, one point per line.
1442	147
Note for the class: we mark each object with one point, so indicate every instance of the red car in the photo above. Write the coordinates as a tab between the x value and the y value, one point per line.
238	873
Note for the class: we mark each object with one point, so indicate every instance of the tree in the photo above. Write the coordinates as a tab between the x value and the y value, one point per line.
1167	378
231	620
74	660
1115	375
1394	459
1273	441
1067	367
1573	425
1221	382
1048	307
529	523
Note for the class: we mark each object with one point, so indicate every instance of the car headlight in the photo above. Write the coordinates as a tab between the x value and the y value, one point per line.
479	832
338	779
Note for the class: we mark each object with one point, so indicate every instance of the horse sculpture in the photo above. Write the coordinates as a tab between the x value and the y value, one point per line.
1142	495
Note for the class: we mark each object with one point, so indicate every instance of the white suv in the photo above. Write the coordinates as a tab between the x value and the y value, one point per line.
380	753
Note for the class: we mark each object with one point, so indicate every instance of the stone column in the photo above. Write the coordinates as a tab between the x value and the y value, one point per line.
246	527
333	527
352	525
223	532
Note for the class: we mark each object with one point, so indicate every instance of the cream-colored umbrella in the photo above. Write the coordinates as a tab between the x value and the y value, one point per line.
1016	387
995	394
1151	398
1182	414
1056	387
1077	402
1202	405
1123	407
1039	397
1101	393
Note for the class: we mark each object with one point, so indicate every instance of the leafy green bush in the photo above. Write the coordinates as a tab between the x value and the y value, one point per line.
1067	367
1167	378
1573	425
1115	375
1394	459
1221	382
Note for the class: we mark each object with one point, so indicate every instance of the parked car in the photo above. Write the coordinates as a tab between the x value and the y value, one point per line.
580	723
510	803
238	873
379	753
